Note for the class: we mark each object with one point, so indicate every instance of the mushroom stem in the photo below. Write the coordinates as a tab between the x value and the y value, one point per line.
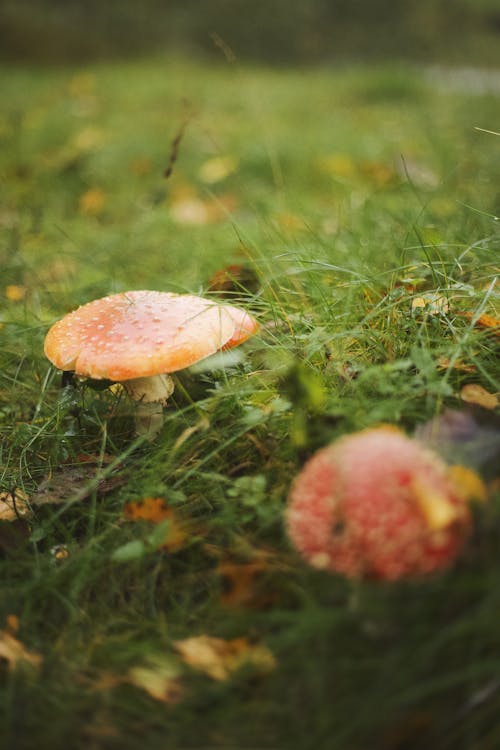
148	419
152	393
152	389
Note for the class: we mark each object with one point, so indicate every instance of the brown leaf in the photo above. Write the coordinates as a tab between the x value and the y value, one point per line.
70	481
459	365
219	658
12	650
476	394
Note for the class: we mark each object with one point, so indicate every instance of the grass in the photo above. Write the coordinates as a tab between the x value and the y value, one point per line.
348	194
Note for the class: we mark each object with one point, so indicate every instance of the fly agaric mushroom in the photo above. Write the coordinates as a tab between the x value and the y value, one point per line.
137	338
379	505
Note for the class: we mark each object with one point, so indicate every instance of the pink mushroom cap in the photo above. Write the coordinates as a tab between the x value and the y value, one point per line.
377	504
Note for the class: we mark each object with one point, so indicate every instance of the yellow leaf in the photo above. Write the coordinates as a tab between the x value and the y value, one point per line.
219	658
14	505
82	84
476	394
469	484
88	139
337	165
92	202
160	680
12	651
15	292
432	304
217	169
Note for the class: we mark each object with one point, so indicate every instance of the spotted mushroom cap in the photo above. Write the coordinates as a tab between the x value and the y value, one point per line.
377	504
144	333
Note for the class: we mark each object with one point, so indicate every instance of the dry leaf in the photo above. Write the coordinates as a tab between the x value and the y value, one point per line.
378	173
14	505
12	650
88	139
160	680
156	510
476	394
469	483
15	292
234	278
70	481
243	584
219	658
459	365
92	202
432	304
217	169
337	165
483	321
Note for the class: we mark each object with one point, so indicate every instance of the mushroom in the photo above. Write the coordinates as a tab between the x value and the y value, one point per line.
138	338
378	504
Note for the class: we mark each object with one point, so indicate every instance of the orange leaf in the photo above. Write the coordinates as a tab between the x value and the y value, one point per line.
152	509
242	584
92	202
156	510
476	394
483	321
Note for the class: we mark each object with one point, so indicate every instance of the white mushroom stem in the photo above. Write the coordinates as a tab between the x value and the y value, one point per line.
152	394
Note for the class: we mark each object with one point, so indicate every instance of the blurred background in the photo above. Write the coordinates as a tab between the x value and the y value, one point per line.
267	31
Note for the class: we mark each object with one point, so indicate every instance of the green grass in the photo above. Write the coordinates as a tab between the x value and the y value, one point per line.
355	191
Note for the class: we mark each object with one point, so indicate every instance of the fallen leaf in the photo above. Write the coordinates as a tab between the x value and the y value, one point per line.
483	321
70	481
337	165
243	584
469	483
141	166
160	680
156	510
459	365
378	173
232	279
431	304
219	658
12	650
476	394
88	139
92	202
15	292
217	169
14	505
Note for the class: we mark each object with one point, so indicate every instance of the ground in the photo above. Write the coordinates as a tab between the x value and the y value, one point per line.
356	210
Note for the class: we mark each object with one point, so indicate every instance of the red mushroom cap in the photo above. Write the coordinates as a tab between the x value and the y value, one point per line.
377	504
143	333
